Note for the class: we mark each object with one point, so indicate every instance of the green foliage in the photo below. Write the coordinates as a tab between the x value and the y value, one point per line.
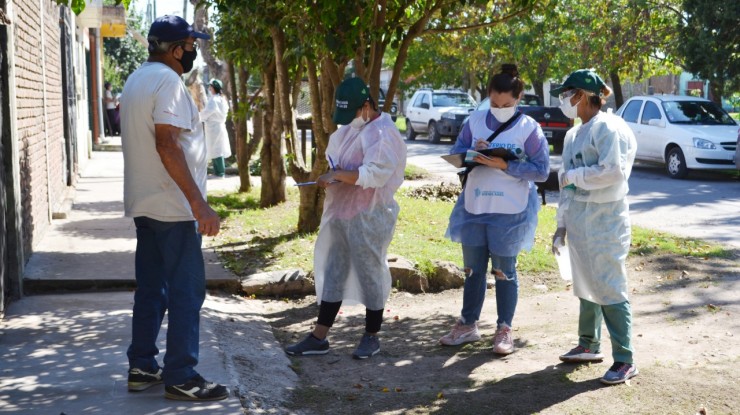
111	73
734	100
401	124
124	55
228	204
78	6
413	172
628	38
555	38
710	42
646	241
265	239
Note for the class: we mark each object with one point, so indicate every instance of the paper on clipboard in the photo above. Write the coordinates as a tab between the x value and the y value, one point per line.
461	160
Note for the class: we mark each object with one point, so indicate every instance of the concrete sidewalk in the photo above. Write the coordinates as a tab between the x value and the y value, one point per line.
66	353
95	233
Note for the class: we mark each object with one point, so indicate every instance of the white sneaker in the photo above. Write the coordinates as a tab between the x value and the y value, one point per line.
502	340
461	333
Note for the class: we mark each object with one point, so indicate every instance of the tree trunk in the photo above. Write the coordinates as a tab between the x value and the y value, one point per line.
258	128
197	91
238	115
539	89
403	52
271	157
283	92
617	87
216	68
716	90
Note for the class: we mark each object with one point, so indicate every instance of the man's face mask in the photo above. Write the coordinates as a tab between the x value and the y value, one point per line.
187	59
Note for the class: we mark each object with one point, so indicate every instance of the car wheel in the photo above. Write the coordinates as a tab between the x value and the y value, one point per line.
676	164
434	136
410	133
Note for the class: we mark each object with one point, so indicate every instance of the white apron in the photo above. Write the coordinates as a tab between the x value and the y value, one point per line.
214	117
490	190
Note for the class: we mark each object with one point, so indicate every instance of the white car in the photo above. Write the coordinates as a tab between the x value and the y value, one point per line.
437	113
681	131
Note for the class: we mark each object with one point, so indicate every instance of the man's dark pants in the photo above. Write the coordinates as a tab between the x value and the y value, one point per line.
170	277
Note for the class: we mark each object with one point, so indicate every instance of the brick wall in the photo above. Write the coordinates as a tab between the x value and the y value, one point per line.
40	124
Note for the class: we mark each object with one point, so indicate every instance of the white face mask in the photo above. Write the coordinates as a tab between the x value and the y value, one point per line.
569	110
503	114
358	122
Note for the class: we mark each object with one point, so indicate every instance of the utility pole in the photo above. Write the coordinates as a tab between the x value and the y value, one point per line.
185	9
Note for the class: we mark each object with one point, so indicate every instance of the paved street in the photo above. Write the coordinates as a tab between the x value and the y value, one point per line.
706	205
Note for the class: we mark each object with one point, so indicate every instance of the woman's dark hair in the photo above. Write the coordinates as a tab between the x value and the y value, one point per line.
598	100
216	88
507	81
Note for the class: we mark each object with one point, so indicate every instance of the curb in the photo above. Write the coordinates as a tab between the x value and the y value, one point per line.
61	286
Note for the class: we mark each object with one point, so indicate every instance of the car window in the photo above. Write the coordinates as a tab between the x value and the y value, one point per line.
425	99
696	112
451	99
532	100
650	112
418	100
632	111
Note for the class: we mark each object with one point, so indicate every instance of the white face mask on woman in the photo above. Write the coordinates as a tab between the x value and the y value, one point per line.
503	114
569	110
358	122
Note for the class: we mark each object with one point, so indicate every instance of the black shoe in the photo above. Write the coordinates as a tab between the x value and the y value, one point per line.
196	389
139	380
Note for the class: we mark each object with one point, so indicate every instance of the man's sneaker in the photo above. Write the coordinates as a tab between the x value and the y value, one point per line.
196	389
502	341
369	346
619	372
582	354
310	345
461	333
139	380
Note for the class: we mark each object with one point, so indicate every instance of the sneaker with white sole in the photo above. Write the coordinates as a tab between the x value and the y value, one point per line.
140	380
196	389
461	333
503	343
619	373
369	346
582	354
308	346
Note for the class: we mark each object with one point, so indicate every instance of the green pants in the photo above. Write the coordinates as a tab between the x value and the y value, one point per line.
618	319
219	166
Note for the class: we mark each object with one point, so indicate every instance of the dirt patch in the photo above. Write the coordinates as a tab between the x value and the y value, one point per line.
686	331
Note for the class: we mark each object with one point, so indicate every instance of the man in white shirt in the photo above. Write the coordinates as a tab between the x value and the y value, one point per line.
165	192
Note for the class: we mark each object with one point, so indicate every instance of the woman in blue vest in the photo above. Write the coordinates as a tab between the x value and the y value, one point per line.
496	214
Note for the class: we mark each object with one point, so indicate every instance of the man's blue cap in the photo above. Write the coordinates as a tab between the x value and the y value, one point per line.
172	28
